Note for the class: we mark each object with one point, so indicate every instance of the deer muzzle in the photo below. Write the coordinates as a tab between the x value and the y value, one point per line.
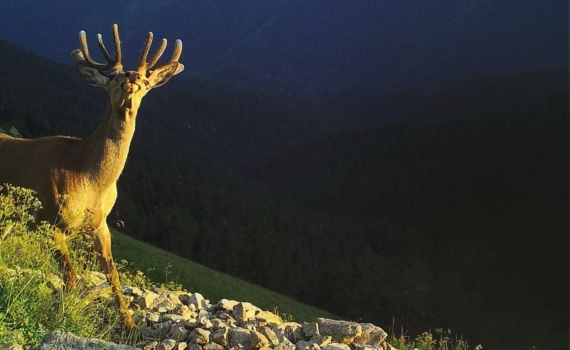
130	87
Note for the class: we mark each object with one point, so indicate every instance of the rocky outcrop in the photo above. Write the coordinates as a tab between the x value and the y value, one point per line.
180	320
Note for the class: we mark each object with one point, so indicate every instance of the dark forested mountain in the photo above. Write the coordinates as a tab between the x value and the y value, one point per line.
453	214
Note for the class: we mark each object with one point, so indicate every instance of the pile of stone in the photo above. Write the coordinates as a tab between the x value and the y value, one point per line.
180	320
174	320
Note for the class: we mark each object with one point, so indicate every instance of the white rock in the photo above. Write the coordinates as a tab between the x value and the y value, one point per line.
270	335
178	333
238	337
257	340
146	299
371	335
166	344
173	317
269	318
336	346
195	299
220	336
199	336
225	304
244	312
310	329
285	344
292	331
340	331
321	340
213	346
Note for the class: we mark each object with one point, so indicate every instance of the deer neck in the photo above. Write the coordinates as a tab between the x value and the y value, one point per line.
106	150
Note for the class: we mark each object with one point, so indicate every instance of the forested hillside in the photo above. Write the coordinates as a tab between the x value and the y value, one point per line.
453	214
467	193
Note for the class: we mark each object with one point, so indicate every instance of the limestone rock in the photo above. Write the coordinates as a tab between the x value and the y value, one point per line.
285	344
303	345
268	318
153	317
163	305
371	335
173	317
225	304
146	299
150	346
213	346
257	340
310	329
292	331
220	337
218	323
336	346
61	340
166	344
178	333
195	299
238	337
180	346
199	336
321	340
340	331
205	323
244	312
184	311
269	335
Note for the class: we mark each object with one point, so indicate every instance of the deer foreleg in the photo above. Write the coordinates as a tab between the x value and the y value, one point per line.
103	248
62	257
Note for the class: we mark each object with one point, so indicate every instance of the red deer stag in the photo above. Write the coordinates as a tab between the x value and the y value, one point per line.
77	178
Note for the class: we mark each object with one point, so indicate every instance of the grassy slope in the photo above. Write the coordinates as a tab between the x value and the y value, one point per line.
212	284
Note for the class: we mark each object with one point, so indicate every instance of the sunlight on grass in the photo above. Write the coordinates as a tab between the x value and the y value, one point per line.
32	297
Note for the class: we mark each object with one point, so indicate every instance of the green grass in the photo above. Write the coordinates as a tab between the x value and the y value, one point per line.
162	266
441	340
32	302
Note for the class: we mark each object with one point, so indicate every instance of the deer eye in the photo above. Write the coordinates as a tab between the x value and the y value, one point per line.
112	76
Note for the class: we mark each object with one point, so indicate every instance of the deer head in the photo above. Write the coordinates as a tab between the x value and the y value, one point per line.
126	89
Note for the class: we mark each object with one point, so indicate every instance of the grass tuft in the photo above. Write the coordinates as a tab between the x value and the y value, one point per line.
441	340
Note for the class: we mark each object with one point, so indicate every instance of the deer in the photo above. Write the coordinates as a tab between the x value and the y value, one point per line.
76	179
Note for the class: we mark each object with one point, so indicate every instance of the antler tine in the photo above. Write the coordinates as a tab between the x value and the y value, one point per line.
85	50
117	42
103	49
144	66
157	55
144	54
177	51
110	62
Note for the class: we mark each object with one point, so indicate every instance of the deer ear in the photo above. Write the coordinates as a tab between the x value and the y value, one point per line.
163	74
93	76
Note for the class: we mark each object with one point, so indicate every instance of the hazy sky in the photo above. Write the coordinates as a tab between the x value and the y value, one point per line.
389	44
